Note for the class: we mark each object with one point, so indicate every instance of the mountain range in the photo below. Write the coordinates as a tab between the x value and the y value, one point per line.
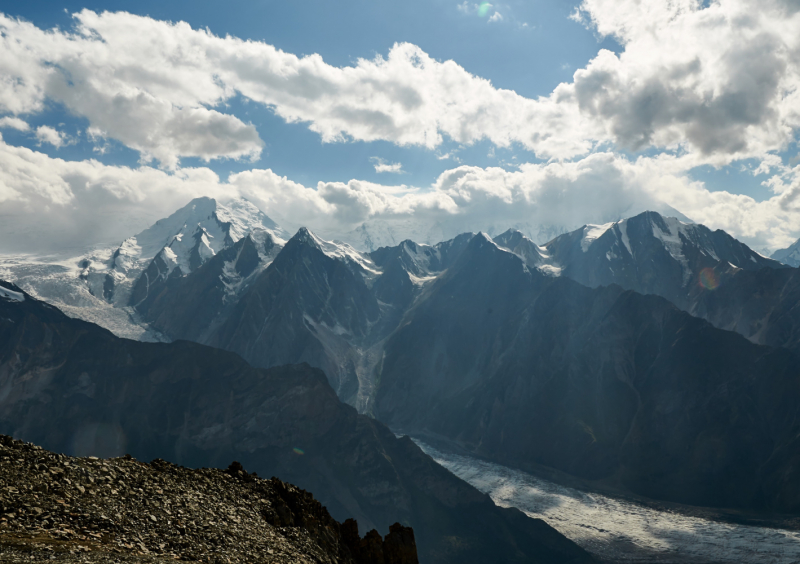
649	354
74	387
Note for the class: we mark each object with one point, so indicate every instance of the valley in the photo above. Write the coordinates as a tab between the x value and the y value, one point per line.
623	531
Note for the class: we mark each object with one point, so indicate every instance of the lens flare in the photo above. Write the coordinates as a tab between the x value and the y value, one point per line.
709	279
298	451
484	8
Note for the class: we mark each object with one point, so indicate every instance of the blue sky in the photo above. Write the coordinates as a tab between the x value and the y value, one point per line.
531	51
672	104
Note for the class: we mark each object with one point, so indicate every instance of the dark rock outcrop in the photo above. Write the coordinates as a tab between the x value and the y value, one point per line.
398	547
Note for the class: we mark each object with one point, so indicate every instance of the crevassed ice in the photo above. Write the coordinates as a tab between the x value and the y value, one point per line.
621	530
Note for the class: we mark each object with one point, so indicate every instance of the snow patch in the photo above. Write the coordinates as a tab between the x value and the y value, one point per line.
623	231
671	239
550	269
343	251
11	295
593	232
421	280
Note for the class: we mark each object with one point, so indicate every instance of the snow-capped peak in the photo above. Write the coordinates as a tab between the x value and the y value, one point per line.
790	255
185	240
337	250
592	233
531	254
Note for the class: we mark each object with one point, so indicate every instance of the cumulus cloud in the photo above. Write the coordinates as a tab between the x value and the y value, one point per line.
155	85
10	122
721	80
47	134
382	166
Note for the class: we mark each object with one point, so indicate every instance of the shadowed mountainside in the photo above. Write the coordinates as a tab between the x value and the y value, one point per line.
73	387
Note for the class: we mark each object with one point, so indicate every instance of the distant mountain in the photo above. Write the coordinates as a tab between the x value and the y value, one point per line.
651	254
71	386
179	244
707	273
192	306
526	368
309	300
390	232
789	256
97	286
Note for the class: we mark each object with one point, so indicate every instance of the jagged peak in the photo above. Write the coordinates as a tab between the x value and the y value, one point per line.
335	249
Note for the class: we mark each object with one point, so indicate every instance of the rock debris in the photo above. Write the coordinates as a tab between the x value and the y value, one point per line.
59	508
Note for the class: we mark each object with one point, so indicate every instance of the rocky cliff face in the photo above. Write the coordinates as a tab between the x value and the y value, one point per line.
311	301
601	383
73	387
86	509
193	306
761	305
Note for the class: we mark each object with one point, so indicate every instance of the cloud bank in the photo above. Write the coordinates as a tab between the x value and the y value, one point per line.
60	206
693	84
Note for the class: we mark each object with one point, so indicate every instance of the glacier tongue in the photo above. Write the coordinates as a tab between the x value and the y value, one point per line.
619	530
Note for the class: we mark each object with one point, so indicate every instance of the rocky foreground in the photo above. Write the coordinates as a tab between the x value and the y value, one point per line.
59	508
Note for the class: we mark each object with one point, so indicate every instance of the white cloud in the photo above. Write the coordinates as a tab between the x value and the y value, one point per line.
154	85
702	84
496	17
383	166
10	122
721	81
47	134
51	204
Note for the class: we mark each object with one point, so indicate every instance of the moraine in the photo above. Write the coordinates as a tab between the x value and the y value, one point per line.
622	531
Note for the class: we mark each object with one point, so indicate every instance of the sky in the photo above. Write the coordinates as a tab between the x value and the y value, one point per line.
543	115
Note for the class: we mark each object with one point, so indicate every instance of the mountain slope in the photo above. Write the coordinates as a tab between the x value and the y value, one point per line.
311	301
74	387
762	305
525	368
650	254
789	256
312	304
192	306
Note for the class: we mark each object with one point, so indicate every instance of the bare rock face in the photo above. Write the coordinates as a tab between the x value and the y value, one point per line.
56	507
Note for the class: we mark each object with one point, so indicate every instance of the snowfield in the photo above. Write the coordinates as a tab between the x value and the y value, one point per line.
623	531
